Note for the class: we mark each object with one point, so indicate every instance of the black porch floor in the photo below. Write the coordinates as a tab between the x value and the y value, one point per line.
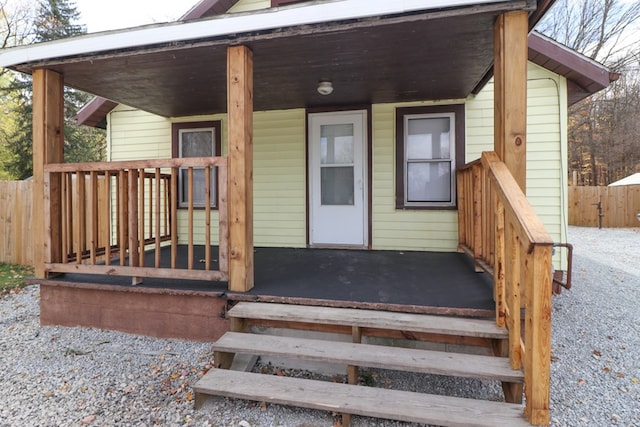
432	282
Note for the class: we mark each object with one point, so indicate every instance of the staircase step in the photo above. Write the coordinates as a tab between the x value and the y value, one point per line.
360	400
394	321
371	356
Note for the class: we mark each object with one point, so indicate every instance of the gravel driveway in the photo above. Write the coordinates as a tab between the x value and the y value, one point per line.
54	376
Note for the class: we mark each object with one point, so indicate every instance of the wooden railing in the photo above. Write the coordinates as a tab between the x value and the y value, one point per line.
106	218
500	229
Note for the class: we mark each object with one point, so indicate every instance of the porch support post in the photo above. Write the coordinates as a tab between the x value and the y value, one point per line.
48	147
240	178
510	92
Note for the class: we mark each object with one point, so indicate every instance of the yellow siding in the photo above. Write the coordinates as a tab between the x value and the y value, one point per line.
431	230
279	168
248	5
546	145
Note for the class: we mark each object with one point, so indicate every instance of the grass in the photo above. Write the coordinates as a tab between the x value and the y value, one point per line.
12	277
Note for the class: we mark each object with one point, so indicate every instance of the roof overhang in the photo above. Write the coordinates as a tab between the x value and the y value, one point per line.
372	50
584	75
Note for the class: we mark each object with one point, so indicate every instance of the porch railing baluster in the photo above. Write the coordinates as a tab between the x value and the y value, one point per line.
157	217
105	229
82	217
207	218
144	215
190	218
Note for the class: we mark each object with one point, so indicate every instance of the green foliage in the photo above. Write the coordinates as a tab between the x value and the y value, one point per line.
12	277
54	19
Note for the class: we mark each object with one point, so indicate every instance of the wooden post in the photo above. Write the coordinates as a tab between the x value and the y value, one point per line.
510	92
48	147
537	362
240	183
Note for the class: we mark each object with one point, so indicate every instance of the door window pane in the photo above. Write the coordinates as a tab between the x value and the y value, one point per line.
336	144
336	185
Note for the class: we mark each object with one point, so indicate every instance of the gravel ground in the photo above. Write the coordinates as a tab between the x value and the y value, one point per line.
55	376
596	332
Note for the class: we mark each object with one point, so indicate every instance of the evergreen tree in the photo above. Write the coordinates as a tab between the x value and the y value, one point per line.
55	19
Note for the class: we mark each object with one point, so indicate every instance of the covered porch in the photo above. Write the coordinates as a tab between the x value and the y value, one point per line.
375	57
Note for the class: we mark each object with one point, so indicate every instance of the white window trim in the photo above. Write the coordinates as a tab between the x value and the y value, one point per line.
452	160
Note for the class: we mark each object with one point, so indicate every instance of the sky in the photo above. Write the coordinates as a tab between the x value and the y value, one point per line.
101	16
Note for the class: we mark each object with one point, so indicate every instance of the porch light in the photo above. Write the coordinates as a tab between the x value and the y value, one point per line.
325	87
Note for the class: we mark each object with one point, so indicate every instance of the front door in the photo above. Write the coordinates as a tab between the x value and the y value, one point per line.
337	179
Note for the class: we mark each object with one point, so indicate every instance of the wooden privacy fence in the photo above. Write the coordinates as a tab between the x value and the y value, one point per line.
620	205
16	209
16	219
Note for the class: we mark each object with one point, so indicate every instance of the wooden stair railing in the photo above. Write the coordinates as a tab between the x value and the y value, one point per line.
501	231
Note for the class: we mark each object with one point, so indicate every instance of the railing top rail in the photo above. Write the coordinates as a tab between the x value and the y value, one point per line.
470	164
136	164
515	200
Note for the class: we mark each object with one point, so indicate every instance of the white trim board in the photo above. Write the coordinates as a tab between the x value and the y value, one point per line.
224	25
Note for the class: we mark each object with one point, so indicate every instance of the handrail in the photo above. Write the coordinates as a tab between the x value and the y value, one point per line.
500	229
515	200
104	217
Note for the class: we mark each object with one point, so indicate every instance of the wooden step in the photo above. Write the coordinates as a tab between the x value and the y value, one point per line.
359	400
480	328
371	356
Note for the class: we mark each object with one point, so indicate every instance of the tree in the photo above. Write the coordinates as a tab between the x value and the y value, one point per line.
600	127
54	19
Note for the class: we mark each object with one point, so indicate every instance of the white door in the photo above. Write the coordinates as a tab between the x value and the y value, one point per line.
337	179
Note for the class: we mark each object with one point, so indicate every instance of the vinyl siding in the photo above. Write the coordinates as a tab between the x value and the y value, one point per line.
546	146
429	230
279	168
248	5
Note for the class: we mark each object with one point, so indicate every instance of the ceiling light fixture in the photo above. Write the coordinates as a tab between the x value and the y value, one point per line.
325	87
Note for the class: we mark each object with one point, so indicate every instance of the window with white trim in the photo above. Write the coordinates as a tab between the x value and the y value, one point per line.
196	139
427	147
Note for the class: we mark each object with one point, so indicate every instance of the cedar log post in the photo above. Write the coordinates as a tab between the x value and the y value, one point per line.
510	92
48	147
510	124
240	178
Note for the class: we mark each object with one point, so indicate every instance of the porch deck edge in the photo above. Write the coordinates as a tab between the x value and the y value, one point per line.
400	308
141	289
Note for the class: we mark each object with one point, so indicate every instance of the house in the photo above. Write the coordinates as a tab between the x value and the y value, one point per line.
633	179
371	138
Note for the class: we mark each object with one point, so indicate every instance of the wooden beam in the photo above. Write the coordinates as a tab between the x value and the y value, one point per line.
48	147
240	187
510	92
537	358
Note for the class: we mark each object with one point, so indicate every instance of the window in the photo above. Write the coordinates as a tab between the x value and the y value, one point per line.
429	148
196	139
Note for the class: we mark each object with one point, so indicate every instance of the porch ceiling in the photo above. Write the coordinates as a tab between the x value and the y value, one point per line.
435	54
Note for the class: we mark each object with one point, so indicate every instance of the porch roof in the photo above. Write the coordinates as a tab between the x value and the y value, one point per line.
372	50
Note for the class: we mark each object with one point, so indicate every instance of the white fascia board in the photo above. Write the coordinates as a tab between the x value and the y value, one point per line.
264	20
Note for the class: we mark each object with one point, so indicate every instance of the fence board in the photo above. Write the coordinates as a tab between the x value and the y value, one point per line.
16	212
620	205
16	216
